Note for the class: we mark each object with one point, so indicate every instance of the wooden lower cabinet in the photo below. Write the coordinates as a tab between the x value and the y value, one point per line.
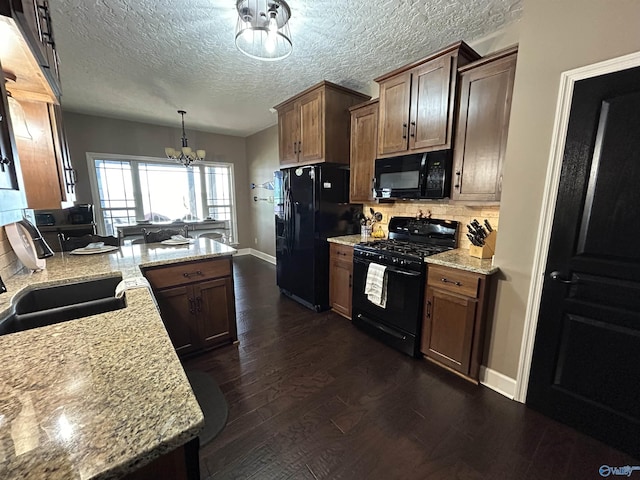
197	303
180	464
454	318
340	278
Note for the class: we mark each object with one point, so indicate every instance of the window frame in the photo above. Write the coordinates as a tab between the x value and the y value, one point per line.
95	194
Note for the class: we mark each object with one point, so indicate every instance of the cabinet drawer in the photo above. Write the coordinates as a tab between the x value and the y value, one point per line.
343	252
188	272
453	280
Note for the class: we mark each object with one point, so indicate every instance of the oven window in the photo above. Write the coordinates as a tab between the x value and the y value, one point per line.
400	180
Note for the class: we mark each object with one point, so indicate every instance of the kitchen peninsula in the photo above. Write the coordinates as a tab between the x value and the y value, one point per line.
101	396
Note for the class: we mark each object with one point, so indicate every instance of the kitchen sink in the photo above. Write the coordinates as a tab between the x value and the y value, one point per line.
49	305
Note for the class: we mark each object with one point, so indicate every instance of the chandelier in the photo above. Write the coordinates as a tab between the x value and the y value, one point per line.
185	155
262	31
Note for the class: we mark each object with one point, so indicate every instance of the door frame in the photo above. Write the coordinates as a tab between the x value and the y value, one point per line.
552	184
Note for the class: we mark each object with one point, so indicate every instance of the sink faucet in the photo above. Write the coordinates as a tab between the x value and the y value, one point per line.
2	287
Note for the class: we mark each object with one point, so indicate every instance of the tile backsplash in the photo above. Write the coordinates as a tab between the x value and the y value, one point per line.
9	263
462	213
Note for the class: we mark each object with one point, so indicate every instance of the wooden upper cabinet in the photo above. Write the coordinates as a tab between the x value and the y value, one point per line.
364	133
288	133
34	20
395	94
417	103
311	143
313	126
486	89
430	104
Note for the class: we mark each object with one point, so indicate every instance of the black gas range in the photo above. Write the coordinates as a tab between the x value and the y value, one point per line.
402	258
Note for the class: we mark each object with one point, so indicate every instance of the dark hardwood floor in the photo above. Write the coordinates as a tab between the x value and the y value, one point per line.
312	397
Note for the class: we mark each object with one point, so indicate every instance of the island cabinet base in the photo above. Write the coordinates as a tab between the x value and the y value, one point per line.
197	303
183	463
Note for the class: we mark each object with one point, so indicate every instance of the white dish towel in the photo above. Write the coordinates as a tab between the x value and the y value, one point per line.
375	287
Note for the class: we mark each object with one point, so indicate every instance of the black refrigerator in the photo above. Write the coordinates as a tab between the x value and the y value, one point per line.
311	204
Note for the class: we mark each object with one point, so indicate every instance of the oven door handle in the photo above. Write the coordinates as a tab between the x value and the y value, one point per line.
389	269
402	272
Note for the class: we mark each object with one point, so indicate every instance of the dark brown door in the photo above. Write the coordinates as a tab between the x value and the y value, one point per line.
586	360
215	309
447	332
178	311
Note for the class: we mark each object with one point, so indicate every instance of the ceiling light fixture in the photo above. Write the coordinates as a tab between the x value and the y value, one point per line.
185	155
262	31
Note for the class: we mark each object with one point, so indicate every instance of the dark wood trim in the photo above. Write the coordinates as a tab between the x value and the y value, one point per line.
505	52
460	47
326	84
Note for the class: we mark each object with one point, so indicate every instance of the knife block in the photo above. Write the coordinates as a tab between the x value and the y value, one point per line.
488	249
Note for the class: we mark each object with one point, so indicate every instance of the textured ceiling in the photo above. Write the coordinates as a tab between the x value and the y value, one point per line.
144	59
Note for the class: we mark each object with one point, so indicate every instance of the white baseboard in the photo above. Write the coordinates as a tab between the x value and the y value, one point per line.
498	382
263	256
256	253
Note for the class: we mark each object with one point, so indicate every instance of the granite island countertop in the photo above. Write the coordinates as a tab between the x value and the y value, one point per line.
97	397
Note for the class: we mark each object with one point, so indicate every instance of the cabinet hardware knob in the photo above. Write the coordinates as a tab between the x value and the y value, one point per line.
295	148
192	308
446	280
404	130
457	185
413	129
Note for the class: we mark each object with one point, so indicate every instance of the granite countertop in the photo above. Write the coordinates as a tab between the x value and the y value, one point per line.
99	396
349	240
460	258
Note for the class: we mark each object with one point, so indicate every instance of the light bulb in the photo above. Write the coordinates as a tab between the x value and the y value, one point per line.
273	23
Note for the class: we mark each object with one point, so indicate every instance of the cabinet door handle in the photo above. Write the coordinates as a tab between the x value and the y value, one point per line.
4	161
299	147
198	304
350	280
404	130
193	274
192	307
446	280
295	148
428	309
457	185
413	129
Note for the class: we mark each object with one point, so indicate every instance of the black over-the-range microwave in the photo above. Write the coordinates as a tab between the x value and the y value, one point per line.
420	175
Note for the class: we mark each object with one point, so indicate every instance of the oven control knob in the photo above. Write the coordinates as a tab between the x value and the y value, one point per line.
404	262
395	260
380	257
